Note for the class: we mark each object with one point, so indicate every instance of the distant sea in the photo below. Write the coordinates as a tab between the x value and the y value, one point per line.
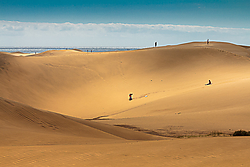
84	49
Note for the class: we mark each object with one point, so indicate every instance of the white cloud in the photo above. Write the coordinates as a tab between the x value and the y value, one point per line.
113	33
109	27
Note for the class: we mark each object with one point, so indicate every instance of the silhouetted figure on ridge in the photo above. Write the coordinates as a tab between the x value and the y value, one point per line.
155	44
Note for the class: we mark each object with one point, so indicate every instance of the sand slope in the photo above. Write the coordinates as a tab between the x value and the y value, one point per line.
170	99
23	125
72	82
185	152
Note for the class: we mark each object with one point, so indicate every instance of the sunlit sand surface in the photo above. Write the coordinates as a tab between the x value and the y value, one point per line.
66	107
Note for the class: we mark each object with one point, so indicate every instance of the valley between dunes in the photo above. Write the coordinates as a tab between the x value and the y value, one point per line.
67	107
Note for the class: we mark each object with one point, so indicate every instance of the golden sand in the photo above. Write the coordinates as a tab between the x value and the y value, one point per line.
65	108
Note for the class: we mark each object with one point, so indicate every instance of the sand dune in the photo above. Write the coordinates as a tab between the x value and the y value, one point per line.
23	125
170	98
72	82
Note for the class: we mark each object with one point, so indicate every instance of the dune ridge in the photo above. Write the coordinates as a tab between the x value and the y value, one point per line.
19	121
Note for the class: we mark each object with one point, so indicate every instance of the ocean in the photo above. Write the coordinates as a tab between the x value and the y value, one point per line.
84	49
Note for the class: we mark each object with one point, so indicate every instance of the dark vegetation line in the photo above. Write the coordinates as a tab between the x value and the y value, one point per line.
241	133
212	133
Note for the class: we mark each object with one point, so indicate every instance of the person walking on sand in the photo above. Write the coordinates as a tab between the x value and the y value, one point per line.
209	82
130	96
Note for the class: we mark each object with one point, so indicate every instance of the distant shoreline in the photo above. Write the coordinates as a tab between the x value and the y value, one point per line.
84	49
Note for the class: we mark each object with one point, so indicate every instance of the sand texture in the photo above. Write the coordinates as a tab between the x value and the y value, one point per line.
71	108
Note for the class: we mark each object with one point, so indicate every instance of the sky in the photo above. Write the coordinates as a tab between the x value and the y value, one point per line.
132	23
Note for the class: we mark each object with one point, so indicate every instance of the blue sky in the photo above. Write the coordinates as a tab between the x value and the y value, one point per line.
18	18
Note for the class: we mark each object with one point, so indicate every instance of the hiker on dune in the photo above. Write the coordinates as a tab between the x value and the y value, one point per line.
130	97
209	82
